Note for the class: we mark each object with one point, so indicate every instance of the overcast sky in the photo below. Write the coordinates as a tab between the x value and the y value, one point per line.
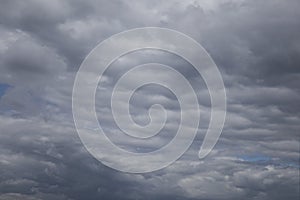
256	46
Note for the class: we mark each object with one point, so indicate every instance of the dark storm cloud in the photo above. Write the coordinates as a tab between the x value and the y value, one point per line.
256	47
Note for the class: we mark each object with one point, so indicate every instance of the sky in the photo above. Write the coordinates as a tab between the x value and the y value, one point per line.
256	46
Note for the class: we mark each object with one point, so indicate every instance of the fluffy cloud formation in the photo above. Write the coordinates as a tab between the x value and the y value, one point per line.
255	45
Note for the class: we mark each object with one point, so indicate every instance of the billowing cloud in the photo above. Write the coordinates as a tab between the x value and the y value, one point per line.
256	46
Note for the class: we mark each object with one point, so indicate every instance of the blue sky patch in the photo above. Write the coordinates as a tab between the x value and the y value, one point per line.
263	159
3	88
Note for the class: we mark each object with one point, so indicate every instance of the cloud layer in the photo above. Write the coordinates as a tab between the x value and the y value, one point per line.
256	46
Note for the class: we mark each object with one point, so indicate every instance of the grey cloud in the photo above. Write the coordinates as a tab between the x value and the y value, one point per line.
255	45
